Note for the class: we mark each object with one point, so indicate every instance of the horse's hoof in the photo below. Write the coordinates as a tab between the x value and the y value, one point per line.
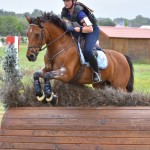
54	101
49	99
41	98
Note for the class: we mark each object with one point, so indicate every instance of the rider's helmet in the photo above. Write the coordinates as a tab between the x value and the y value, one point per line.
73	2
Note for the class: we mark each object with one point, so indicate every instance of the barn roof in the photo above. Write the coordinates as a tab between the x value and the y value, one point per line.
125	32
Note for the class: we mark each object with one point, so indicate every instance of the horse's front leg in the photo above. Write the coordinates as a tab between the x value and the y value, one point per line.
37	85
56	74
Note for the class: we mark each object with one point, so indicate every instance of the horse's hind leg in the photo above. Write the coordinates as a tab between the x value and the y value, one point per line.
119	84
37	86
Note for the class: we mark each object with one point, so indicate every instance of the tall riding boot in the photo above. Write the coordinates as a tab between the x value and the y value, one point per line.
96	72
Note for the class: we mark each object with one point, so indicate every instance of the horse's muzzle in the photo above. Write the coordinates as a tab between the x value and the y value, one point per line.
31	57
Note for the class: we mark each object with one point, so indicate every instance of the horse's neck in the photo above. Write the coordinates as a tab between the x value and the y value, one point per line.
55	35
64	45
57	39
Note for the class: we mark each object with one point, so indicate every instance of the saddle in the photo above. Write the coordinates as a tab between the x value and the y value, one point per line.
96	48
97	51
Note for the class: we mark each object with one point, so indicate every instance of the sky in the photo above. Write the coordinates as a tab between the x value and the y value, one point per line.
102	8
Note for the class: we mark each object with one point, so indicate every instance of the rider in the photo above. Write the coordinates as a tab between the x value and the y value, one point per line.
78	12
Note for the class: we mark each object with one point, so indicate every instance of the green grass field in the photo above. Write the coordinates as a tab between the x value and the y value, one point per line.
142	77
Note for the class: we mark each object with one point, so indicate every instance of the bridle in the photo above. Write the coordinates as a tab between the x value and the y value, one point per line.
39	46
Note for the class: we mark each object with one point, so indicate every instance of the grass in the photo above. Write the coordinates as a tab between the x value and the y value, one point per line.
142	77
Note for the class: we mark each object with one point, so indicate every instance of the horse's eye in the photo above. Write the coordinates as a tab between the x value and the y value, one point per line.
37	35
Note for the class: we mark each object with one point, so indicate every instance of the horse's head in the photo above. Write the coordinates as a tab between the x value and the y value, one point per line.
36	38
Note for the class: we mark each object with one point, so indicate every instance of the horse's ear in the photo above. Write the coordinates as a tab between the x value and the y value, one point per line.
28	19
38	20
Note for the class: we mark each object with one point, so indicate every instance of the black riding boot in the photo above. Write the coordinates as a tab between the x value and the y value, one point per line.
96	72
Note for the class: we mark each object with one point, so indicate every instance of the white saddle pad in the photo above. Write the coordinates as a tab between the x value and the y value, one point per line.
102	60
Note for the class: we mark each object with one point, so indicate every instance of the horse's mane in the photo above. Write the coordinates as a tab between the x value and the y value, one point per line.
50	17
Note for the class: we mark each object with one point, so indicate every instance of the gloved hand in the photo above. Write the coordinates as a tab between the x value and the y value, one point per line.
70	29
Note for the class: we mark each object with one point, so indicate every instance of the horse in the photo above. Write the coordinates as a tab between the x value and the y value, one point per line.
62	61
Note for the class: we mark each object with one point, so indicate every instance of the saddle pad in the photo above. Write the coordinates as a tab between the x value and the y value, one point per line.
101	59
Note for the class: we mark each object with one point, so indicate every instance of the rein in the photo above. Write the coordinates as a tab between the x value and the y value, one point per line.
47	45
51	59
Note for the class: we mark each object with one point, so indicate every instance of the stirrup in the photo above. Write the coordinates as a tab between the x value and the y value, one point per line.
97	77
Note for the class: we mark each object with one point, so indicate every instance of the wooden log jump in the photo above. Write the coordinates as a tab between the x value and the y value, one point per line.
76	128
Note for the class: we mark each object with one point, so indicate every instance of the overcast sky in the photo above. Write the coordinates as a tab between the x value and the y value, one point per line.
103	8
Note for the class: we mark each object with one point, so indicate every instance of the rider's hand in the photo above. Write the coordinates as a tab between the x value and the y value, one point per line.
70	29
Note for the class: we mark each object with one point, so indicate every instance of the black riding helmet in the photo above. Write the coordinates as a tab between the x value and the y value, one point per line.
72	3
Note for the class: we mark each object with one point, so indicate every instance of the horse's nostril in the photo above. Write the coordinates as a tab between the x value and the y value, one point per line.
31	56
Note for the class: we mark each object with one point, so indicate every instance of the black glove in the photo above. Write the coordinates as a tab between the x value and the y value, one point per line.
70	29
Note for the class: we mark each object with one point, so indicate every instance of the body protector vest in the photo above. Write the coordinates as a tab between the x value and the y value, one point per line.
79	7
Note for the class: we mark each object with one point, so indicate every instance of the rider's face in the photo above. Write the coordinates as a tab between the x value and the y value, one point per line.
68	3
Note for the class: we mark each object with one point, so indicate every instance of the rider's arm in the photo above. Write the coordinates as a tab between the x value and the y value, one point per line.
86	23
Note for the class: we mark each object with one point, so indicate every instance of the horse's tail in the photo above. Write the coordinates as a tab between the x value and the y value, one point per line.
131	80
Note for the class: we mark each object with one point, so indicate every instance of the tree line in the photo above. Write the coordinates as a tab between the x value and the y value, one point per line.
16	24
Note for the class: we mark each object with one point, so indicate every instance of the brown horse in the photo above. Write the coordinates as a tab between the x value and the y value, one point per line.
62	60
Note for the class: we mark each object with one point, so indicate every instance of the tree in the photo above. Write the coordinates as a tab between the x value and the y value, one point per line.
8	25
36	13
140	20
105	22
19	28
11	25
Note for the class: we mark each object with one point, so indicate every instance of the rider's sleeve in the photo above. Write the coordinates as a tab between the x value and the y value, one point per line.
83	18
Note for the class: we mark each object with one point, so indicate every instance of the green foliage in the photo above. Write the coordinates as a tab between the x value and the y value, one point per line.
6	13
36	13
105	22
12	75
140	20
19	27
9	25
10	64
137	22
15	24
